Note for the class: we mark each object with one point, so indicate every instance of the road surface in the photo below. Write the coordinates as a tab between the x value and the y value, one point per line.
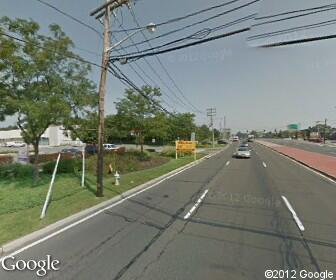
225	218
328	149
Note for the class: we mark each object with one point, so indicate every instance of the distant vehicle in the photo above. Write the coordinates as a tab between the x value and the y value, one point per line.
315	137
242	152
235	138
223	141
15	144
110	147
250	138
244	144
72	151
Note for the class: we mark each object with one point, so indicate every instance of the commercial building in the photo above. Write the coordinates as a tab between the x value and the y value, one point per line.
53	136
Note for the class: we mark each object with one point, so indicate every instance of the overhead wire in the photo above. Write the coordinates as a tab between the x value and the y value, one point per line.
199	42
183	17
140	68
89	27
71	17
194	108
296	16
121	76
295	11
195	23
292	29
179	101
75	57
192	36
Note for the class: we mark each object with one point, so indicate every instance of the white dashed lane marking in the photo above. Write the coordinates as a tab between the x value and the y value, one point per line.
196	205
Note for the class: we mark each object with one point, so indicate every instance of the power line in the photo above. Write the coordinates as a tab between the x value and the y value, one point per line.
292	17
208	30
140	68
183	17
71	17
157	75
300	41
295	11
145	82
52	50
163	67
120	75
213	38
195	23
289	30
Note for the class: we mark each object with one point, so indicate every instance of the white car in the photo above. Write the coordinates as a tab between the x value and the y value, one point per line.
110	147
242	152
15	144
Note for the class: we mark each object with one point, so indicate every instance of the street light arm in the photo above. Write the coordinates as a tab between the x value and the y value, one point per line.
151	27
123	40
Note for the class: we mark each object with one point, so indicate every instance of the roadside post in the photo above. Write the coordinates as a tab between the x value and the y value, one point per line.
45	206
83	166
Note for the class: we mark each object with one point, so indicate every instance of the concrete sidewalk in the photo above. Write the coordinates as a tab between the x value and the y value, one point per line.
319	162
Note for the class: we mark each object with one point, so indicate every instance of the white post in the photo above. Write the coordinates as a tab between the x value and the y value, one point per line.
44	210
83	166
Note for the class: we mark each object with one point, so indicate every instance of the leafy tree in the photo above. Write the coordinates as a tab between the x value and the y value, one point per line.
114	130
42	82
181	126
216	133
134	111
158	127
203	133
84	128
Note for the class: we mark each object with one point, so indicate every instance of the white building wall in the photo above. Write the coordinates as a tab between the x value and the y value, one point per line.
55	135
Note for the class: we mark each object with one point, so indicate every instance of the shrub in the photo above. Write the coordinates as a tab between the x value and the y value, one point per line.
142	156
64	166
16	170
168	152
50	157
6	159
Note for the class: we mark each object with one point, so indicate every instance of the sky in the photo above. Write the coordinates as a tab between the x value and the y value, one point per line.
254	87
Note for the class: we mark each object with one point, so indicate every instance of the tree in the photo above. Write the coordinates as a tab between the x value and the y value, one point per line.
181	126
42	82
203	133
84	128
158	127
134	111
114	130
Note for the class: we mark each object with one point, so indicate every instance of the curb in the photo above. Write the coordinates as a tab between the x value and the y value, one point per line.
330	177
44	232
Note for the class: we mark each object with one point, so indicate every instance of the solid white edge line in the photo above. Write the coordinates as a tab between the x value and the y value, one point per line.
295	216
196	205
39	241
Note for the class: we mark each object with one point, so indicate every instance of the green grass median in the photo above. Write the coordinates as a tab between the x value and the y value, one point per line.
21	201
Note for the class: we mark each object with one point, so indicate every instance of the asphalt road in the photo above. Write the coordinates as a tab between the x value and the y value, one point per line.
328	149
240	229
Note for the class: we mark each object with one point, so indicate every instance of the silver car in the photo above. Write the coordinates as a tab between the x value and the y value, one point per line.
242	152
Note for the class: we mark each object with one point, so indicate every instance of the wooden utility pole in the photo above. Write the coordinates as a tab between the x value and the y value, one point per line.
211	112
103	11
101	114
